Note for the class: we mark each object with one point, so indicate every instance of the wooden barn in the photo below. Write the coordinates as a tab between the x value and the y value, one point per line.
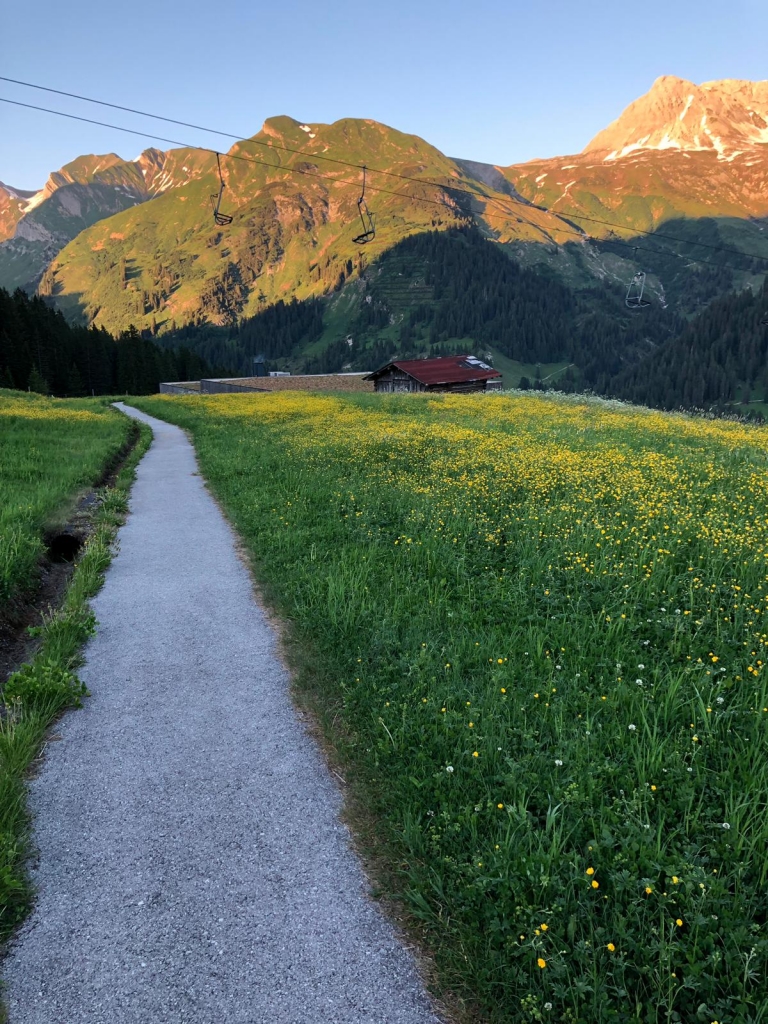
447	373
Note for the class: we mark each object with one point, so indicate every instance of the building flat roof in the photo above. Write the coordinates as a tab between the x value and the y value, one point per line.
303	382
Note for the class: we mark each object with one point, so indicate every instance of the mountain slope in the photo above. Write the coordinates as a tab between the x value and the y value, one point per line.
34	227
693	155
294	218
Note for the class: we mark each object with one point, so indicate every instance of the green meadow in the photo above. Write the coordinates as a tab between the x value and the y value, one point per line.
534	633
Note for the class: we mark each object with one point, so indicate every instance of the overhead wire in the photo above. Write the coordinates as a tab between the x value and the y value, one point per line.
449	188
227	156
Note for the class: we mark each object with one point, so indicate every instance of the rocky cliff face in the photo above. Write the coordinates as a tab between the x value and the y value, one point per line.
728	118
13	202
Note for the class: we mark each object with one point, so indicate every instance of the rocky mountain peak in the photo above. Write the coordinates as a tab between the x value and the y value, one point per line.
727	117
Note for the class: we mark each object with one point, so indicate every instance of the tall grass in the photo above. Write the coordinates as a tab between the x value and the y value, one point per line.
537	628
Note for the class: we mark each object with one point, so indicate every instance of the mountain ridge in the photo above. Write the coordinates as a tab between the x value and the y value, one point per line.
161	263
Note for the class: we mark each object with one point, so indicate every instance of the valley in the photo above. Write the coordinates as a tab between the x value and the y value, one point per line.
674	188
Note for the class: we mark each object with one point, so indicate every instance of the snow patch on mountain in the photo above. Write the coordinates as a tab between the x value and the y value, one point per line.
37	198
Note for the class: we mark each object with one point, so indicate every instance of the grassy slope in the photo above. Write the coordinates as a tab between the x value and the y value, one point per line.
35	695
536	633
293	231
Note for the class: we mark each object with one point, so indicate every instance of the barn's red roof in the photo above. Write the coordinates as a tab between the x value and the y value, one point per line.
443	370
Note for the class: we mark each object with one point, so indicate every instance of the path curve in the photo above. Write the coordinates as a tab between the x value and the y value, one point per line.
193	868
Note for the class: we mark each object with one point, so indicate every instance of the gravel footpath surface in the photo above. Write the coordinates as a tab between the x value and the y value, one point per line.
192	864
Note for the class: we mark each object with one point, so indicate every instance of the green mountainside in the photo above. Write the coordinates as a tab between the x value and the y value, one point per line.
167	264
34	227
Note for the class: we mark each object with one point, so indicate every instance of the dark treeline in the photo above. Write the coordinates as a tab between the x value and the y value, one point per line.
39	350
277	333
721	357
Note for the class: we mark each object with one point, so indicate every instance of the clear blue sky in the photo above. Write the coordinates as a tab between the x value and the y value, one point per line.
489	80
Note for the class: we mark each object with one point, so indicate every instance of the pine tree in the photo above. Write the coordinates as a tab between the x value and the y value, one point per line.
75	386
36	382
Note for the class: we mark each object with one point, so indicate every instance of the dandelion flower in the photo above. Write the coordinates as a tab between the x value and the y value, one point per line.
679	922
648	889
595	884
590	871
675	880
475	754
500	806
544	927
610	947
541	962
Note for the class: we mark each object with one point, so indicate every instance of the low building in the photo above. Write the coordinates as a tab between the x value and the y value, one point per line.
446	373
277	382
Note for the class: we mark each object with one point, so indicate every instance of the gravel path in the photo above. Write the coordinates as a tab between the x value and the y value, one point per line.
192	864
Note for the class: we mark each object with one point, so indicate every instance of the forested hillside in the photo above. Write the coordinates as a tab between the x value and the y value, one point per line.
39	350
719	358
433	294
441	292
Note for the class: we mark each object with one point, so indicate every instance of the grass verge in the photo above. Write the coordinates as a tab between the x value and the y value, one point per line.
40	690
51	449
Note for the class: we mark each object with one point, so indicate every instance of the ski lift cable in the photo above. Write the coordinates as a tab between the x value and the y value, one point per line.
344	163
305	171
316	174
582	235
228	156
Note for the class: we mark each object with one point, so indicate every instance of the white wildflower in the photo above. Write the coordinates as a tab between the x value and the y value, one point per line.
449	768
632	728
